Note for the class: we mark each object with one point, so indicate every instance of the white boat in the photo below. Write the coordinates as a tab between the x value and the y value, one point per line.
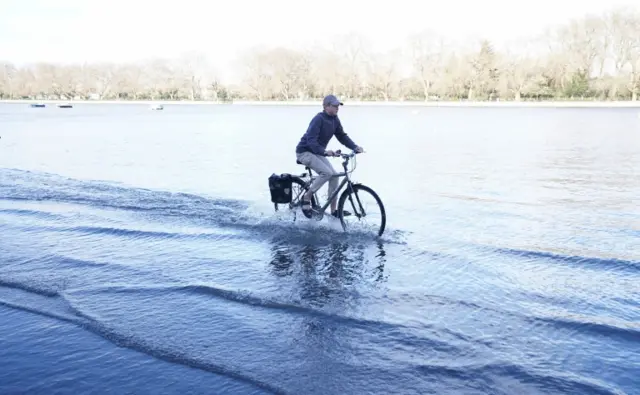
156	107
65	105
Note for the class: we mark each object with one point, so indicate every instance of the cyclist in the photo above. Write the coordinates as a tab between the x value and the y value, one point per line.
312	150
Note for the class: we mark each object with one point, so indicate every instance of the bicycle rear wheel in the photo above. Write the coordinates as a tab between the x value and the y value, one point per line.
366	211
298	188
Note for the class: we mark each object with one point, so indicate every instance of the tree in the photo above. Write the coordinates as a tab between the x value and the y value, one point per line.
8	76
483	72
193	68
427	52
595	56
382	74
354	48
257	73
520	75
580	41
289	70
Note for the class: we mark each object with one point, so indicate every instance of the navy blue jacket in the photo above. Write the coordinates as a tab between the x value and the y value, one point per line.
320	131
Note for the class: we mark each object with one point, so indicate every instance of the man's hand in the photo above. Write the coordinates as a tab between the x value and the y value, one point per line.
359	149
329	153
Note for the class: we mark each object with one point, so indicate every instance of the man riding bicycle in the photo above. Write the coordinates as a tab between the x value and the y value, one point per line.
312	151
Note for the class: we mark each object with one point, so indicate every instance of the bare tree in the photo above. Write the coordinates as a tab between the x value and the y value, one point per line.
383	74
193	67
329	72
456	72
26	83
603	44
520	74
482	76
355	49
591	57
103	75
289	70
625	36
428	53
580	40
8	75
257	74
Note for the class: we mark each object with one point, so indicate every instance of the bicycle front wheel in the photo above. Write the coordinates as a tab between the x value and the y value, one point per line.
361	209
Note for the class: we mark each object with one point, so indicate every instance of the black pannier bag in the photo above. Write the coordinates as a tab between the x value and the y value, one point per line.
280	187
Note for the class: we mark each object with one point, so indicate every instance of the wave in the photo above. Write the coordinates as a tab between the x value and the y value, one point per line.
40	186
219	324
131	233
402	340
28	186
603	263
33	213
598	325
169	354
29	285
72	319
545	380
52	285
401	334
49	275
290	306
274	231
150	347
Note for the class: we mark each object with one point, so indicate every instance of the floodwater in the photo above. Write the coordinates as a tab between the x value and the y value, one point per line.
139	252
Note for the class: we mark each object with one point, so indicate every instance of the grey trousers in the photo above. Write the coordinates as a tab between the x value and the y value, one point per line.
322	166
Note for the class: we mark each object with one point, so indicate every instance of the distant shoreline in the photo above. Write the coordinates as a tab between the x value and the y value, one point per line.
560	103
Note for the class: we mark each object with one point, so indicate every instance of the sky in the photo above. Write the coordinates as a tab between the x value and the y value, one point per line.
70	31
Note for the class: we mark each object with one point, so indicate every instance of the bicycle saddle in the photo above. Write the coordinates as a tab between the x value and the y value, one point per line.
305	166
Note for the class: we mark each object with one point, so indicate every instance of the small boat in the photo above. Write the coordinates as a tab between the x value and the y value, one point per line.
65	105
156	107
37	105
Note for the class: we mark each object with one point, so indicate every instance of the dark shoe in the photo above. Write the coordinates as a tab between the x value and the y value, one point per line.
344	212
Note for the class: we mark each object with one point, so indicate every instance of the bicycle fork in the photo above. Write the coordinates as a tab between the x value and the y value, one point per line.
356	212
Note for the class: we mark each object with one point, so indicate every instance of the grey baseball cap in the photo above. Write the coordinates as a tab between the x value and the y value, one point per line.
331	100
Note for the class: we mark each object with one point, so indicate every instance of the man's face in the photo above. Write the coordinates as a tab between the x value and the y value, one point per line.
332	109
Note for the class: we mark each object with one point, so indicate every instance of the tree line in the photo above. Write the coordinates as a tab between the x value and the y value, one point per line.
596	57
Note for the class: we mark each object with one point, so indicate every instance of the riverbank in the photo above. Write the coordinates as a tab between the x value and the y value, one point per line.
562	104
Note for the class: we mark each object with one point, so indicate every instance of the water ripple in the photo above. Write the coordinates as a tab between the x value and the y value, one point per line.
522	280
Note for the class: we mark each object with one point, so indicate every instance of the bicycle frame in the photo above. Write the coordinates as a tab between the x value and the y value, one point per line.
346	180
337	191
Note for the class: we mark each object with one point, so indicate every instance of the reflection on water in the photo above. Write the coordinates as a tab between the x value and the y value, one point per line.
332	273
333	278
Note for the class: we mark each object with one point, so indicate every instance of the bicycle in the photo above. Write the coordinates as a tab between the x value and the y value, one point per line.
303	181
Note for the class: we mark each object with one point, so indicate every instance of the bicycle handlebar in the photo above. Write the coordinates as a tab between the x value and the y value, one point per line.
339	154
